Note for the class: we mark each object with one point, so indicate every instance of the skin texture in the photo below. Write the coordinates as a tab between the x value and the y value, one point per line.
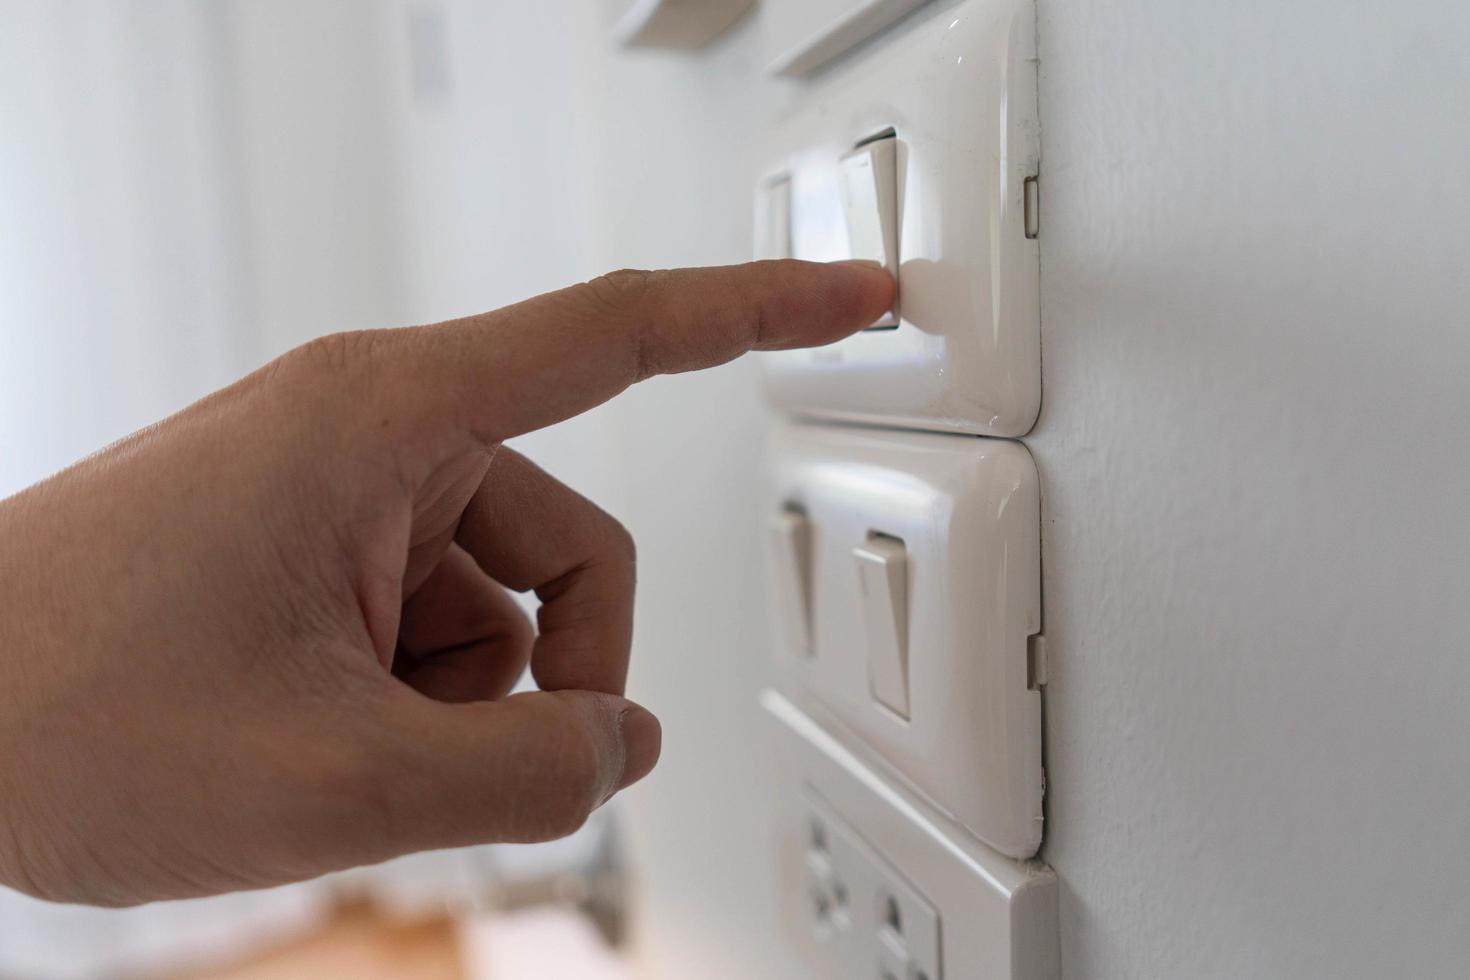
271	637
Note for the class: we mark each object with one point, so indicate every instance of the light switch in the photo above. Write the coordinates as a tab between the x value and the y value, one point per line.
792	541
958	87
883	577
926	652
870	204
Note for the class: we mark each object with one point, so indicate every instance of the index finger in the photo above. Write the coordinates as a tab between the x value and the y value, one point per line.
538	362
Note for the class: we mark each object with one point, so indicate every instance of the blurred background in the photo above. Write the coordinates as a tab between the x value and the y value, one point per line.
189	188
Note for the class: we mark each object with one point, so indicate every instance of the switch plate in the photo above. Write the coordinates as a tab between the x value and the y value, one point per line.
849	841
803	35
967	512
959	91
677	23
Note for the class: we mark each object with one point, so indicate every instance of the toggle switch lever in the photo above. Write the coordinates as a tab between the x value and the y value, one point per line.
870	201
883	573
792	539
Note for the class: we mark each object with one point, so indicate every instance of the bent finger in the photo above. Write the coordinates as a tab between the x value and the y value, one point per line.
529	768
530	532
462	637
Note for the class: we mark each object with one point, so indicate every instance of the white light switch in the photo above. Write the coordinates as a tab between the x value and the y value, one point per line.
925	601
883	578
792	542
870	204
958	87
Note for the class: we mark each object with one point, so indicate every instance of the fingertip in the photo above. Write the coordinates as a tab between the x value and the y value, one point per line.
872	288
642	736
821	302
869	275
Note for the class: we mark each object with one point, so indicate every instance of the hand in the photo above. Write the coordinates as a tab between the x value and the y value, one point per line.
271	637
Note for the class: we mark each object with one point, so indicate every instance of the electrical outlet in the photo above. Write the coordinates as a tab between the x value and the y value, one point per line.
878	884
871	921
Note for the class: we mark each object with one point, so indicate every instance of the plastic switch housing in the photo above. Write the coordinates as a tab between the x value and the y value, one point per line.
923	656
958	93
803	35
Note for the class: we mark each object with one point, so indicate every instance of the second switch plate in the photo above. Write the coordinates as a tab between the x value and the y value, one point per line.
923	553
956	98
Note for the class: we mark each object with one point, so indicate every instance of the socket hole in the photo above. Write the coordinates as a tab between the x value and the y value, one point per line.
819	837
839	894
920	975
892	915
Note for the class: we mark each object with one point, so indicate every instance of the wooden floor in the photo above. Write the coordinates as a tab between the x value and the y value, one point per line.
359	944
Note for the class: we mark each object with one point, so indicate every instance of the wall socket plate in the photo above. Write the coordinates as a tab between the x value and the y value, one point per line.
863	912
878	884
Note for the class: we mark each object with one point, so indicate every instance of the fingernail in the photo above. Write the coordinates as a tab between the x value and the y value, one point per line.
642	739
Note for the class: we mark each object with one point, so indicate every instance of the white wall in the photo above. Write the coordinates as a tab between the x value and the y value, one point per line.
678	151
120	286
1256	467
1256	462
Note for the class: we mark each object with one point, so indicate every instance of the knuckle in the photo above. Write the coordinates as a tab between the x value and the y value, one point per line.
348	358
517	631
514	633
620	289
629	296
621	545
333	352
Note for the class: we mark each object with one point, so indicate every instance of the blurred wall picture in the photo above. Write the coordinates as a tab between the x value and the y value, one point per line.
729	489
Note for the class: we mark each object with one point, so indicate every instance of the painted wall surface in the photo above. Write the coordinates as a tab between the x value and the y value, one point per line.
120	284
677	150
1256	467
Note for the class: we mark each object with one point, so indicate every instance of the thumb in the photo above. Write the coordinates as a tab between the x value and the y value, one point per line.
531	767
